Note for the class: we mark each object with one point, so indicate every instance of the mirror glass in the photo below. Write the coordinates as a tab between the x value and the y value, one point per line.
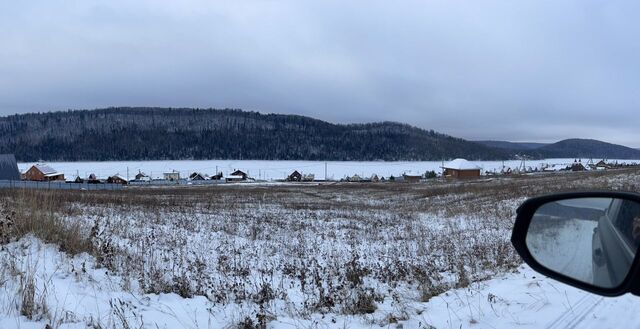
593	240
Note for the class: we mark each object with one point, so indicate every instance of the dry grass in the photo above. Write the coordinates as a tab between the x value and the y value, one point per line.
43	213
342	247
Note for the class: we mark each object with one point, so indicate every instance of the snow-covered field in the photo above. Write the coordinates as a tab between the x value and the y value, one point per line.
296	256
272	170
78	295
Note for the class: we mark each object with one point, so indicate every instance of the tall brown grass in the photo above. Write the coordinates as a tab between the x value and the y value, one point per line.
42	213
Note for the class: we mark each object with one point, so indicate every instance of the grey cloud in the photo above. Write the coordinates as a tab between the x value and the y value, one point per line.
512	70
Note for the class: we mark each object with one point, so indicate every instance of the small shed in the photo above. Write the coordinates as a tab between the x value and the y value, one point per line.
117	179
217	176
9	167
43	173
460	168
294	177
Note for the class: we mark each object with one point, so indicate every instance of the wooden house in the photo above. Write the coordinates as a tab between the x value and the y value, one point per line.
411	178
460	168
117	179
198	176
602	165
237	176
240	173
294	177
217	176
578	166
43	173
92	179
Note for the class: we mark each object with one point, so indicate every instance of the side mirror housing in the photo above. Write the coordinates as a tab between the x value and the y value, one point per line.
588	240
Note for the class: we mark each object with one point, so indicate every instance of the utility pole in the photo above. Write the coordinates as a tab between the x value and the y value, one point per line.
127	173
325	170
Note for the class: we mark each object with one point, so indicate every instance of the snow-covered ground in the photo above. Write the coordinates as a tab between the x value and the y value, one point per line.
77	295
269	170
298	256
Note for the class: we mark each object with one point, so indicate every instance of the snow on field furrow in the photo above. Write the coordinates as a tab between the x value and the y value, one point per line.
77	294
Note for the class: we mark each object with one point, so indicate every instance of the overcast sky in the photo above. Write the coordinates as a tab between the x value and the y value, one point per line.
506	70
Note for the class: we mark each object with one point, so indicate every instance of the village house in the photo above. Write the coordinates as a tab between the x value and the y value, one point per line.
117	179
140	176
93	179
198	176
602	165
294	177
354	178
237	176
43	173
308	178
9	167
172	176
217	176
411	178
460	168
578	166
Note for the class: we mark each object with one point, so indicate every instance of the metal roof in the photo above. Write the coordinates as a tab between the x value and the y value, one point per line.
9	167
46	170
460	164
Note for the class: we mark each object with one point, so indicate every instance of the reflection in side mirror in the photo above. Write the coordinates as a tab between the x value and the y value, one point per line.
592	240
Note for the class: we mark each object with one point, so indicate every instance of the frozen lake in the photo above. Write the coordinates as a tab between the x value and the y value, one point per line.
272	170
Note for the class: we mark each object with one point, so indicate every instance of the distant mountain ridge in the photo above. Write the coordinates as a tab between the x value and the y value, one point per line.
568	148
587	148
512	145
164	133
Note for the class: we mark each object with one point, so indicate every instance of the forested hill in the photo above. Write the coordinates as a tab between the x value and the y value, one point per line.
568	148
160	133
586	148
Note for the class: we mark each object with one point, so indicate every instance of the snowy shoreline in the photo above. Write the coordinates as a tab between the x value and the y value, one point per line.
274	170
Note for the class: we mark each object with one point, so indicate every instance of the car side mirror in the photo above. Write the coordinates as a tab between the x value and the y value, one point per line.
588	240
